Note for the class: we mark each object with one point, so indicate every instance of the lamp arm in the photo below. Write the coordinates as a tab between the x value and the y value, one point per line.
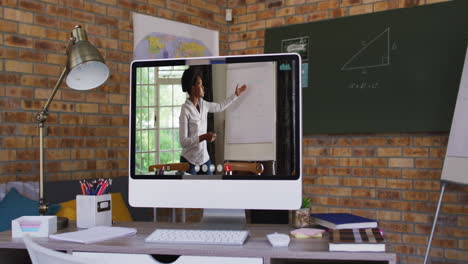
41	117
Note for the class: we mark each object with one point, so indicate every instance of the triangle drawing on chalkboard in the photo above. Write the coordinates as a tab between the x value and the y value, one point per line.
375	53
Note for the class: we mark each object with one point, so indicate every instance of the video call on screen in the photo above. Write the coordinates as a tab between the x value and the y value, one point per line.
258	127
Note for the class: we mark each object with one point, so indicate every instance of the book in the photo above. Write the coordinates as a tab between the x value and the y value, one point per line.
354	240
343	221
94	234
307	232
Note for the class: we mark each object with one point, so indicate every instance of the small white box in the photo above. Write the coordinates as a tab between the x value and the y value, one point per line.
35	226
93	210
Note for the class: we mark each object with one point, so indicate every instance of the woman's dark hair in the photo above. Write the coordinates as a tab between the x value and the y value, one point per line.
189	78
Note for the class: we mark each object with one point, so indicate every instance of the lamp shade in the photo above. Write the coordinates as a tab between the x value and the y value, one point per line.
87	69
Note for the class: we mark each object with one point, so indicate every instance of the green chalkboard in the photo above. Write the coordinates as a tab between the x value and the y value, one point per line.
392	71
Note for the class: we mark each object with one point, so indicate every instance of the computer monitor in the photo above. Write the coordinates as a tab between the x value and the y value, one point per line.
253	140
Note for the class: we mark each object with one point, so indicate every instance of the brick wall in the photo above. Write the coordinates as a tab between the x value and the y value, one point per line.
87	131
393	178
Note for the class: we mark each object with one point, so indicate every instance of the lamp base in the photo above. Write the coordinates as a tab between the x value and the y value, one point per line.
62	222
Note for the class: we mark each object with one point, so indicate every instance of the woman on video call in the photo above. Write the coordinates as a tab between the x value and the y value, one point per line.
193	121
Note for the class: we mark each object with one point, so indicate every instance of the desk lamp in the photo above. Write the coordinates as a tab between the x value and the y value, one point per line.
85	70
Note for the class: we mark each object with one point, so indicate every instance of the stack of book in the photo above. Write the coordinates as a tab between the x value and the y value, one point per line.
351	233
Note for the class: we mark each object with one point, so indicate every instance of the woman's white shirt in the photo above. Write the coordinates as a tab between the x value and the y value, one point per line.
192	124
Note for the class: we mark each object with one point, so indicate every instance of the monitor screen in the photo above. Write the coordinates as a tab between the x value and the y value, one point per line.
224	120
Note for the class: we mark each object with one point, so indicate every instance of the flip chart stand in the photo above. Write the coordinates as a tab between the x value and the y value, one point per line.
439	205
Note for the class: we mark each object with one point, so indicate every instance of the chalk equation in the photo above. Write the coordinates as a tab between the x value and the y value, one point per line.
364	85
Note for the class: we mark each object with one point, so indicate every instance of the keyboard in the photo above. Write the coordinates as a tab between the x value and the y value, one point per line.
189	236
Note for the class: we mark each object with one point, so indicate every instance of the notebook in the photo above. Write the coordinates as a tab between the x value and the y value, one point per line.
354	240
94	234
343	221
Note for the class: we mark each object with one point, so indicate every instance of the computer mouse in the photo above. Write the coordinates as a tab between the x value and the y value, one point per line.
278	240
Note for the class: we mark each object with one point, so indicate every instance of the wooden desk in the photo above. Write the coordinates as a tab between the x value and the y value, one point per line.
257	246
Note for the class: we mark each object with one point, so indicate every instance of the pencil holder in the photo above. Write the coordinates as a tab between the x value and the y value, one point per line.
93	210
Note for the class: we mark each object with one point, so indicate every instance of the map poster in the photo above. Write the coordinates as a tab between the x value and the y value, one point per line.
297	45
158	38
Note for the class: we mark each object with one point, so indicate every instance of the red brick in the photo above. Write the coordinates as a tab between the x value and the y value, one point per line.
389	195
8	155
360	9
398	227
420	174
9	103
401	162
388	216
357	192
438	152
328	181
363	172
328	161
306	8
351	2
463	221
375	162
388	173
32	6
56	154
352	181
285	11
255	8
275	4
454	208
429	163
338	12
374	183
427	185
8	26
83	16
319	15
15	41
50	46
330	201
8	53
399	184
389	152
87	108
47	69
256	25
351	202
316	151
415	217
351	162
341	152
29	130
416	152
428	141
368	152
32	55
19	117
18	15
339	191
415	196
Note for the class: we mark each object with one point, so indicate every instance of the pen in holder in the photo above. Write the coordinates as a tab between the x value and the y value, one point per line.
93	210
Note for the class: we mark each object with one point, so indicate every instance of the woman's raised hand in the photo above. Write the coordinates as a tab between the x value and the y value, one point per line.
240	90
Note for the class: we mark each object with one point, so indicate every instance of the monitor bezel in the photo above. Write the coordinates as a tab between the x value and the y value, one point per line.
293	57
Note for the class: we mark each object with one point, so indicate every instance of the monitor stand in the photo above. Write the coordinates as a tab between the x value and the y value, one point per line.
223	219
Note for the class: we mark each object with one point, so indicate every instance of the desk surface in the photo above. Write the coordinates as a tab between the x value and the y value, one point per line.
257	245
